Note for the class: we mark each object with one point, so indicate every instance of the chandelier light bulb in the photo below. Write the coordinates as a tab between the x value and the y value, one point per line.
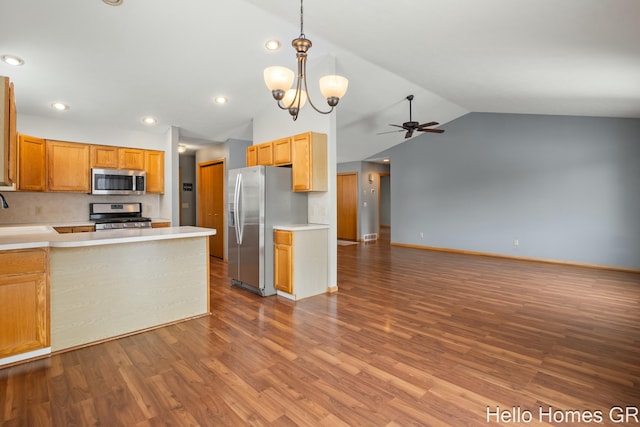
290	100
278	78
333	87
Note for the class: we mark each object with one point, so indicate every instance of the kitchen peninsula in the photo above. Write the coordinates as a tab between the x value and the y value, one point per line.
102	285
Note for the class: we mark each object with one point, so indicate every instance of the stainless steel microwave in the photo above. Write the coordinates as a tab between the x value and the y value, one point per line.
118	181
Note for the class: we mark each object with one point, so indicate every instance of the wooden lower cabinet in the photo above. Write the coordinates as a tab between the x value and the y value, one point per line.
300	257
76	229
283	261
160	224
24	301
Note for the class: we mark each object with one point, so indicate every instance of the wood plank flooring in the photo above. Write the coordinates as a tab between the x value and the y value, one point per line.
412	337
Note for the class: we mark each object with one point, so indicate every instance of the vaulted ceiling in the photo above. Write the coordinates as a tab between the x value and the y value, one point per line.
169	58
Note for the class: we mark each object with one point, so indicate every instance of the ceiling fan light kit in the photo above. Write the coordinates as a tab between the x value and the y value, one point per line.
279	81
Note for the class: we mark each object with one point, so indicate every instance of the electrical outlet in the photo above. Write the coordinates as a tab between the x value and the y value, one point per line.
421	235
38	210
516	242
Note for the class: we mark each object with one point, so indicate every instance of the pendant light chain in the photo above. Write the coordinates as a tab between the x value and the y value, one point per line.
302	36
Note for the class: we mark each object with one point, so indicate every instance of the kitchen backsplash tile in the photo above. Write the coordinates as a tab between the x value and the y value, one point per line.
33	207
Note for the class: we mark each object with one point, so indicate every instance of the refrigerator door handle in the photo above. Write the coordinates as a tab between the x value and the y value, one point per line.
238	211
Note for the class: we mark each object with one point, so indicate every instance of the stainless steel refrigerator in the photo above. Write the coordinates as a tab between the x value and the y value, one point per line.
259	197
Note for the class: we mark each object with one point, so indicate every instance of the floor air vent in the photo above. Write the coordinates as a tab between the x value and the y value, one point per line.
370	237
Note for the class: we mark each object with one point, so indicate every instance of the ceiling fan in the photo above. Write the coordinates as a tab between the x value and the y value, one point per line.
412	126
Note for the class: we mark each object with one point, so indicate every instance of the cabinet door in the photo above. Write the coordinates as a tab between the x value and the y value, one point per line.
32	163
302	162
63	230
154	166
8	141
131	158
12	150
24	301
282	152
103	156
252	155
265	154
68	167
283	261
309	162
160	224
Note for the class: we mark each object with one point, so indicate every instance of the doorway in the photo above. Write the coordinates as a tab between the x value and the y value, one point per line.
384	205
347	193
211	203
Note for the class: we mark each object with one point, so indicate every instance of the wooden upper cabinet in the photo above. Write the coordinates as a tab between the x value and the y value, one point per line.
154	166
11	154
32	163
309	162
252	155
104	157
68	167
265	154
8	137
282	152
131	158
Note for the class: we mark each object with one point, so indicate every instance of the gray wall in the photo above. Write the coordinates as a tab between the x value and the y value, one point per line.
385	200
568	188
188	170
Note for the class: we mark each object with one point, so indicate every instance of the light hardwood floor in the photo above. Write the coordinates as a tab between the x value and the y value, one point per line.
412	338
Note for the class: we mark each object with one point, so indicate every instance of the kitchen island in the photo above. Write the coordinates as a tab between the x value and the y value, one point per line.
113	283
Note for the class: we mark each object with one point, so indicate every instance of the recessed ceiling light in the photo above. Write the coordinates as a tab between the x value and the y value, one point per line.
182	148
12	60
148	120
272	44
113	2
386	160
220	99
60	106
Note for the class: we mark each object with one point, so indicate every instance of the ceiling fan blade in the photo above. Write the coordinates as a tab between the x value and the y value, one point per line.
432	130
391	131
398	126
426	125
409	133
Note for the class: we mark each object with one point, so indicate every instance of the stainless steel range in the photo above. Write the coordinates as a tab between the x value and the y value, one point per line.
112	216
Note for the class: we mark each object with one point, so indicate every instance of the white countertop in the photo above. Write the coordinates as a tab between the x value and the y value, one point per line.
301	227
50	238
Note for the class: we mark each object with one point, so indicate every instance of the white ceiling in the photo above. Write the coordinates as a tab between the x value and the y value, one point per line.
169	58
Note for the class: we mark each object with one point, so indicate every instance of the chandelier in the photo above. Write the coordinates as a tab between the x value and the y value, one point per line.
279	80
